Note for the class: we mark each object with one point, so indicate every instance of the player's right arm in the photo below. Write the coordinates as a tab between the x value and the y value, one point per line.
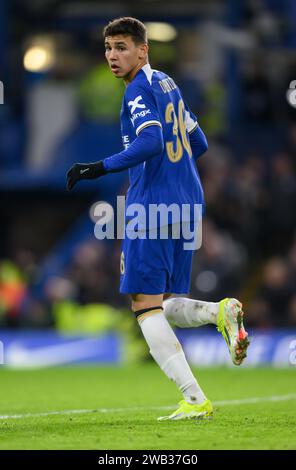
143	114
141	110
148	144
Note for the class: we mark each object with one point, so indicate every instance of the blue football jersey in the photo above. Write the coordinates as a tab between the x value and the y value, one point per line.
153	98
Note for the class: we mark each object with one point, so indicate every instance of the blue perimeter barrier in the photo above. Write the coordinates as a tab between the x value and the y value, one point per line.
203	347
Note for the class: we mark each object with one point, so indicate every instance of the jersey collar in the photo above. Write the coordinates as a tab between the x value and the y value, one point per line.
148	72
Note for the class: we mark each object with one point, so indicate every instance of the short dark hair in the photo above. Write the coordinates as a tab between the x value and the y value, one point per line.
127	26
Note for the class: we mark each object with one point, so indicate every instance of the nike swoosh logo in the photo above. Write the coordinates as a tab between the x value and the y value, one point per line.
84	171
18	355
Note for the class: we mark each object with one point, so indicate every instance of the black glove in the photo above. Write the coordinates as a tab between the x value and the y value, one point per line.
84	171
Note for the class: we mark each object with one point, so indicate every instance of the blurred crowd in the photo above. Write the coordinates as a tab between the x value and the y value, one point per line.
249	236
234	67
248	248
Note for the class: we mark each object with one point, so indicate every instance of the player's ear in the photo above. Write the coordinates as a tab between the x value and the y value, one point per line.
143	51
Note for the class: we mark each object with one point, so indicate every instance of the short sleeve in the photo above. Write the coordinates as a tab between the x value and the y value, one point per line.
142	107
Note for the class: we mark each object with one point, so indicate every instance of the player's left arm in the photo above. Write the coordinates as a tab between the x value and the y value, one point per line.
198	142
197	138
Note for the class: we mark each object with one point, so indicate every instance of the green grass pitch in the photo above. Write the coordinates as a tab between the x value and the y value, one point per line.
121	405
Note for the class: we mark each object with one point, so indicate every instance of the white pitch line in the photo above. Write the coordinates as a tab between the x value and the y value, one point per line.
242	401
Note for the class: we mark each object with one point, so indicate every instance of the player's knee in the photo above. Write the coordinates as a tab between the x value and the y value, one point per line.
147	312
142	301
141	305
166	296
